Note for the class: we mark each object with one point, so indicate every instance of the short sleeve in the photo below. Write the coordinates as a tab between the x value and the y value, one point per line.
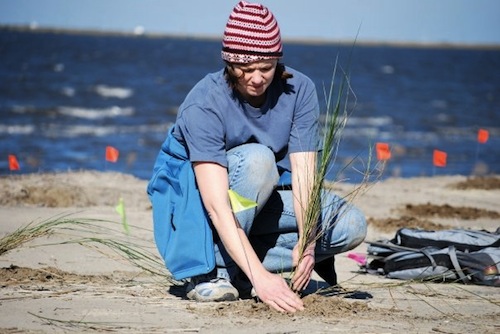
304	136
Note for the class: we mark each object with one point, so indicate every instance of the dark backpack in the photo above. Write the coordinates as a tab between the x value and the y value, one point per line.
468	256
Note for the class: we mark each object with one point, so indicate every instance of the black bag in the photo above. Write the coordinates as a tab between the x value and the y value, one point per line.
467	256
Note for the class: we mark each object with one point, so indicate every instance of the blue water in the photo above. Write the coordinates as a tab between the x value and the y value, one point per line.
65	97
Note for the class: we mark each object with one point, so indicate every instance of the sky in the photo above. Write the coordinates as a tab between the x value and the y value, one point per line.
475	22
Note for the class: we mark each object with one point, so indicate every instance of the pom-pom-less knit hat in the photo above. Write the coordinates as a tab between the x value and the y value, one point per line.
252	33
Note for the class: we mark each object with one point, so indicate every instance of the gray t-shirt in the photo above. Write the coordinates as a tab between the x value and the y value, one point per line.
212	119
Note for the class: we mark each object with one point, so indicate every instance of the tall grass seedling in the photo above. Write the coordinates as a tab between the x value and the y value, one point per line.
336	115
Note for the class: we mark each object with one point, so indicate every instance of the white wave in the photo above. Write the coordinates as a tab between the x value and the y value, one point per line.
17	129
374	133
96	113
59	67
387	69
117	92
419	137
439	104
68	91
369	121
22	109
366	132
72	131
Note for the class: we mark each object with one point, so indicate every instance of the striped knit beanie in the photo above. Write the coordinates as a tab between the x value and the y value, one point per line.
251	34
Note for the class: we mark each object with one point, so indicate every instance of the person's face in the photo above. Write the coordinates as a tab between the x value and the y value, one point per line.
254	78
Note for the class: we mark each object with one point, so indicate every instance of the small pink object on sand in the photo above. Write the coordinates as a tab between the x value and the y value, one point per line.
358	257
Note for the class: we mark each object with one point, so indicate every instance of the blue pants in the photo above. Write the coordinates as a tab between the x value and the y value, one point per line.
271	227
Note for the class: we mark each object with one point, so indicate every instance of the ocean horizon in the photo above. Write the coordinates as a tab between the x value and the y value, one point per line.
138	32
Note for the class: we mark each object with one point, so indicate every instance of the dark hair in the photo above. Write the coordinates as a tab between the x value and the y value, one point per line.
280	74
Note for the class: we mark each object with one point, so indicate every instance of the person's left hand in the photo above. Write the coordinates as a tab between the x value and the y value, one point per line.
303	267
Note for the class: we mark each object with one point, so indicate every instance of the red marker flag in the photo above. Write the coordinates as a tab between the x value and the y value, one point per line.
383	151
439	158
112	154
482	136
13	163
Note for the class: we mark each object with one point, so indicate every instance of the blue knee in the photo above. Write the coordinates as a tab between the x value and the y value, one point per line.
344	232
357	228
255	162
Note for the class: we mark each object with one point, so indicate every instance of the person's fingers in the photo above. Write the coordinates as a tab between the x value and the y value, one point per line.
275	306
302	276
285	300
290	303
297	280
300	283
278	295
301	280
294	301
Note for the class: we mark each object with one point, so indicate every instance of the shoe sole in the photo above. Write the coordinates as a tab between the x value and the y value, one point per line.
227	297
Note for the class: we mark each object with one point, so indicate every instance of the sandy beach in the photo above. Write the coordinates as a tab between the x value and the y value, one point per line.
87	274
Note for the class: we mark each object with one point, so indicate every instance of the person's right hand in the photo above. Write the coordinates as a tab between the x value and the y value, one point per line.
303	267
275	292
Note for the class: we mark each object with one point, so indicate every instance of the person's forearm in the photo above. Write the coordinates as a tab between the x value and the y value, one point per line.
213	185
237	244
303	173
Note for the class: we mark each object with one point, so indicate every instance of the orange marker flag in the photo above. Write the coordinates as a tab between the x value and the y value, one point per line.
112	154
383	151
13	163
482	136
439	158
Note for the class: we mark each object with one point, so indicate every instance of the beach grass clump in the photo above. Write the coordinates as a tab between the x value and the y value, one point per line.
137	255
36	230
93	233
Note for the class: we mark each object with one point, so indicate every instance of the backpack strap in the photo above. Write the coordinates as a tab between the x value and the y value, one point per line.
390	245
452	252
407	250
429	256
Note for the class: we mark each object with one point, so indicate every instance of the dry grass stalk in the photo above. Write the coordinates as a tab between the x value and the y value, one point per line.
81	324
135	254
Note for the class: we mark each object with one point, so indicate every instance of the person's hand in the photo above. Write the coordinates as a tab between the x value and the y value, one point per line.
275	292
304	267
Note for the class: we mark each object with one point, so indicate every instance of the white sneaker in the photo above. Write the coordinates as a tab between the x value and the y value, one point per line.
211	290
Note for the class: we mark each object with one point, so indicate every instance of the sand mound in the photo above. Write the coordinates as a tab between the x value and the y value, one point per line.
76	189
